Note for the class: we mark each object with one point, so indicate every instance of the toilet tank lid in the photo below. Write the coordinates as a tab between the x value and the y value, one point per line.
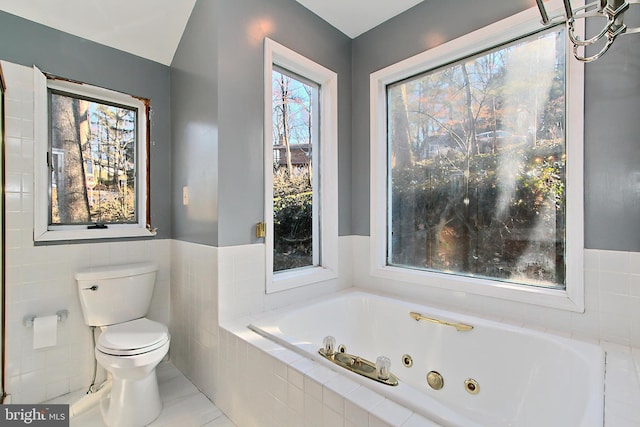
115	271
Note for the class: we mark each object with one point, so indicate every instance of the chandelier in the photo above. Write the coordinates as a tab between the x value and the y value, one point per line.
611	10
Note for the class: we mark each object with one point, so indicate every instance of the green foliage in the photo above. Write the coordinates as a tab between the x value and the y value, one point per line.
292	220
459	214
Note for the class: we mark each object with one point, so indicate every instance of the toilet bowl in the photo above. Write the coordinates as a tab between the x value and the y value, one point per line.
130	351
130	346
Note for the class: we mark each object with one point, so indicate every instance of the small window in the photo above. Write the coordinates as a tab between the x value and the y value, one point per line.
477	166
95	145
300	170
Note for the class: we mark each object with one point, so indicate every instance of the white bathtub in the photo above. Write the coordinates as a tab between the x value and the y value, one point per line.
525	377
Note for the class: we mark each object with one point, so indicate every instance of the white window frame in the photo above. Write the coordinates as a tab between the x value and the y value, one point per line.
43	232
572	298
327	211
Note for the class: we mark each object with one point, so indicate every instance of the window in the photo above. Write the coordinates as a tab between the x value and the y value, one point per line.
477	159
295	186
300	170
93	182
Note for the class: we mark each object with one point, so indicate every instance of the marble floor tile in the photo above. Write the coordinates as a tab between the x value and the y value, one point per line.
183	404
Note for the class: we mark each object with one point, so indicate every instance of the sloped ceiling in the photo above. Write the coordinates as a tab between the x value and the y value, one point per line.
152	28
354	17
148	28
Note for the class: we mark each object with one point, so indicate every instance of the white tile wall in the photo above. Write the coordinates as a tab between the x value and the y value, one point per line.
212	285
194	312
242	281
40	280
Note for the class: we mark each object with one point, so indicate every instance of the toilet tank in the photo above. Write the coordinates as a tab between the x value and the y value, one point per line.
116	294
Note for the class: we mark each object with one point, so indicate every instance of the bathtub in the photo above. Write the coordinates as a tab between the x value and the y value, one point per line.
523	377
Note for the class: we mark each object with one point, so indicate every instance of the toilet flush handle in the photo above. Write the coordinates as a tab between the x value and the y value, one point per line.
92	288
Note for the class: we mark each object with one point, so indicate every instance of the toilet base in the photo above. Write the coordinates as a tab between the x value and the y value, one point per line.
132	403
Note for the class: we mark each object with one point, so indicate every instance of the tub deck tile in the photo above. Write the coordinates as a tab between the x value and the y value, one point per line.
416	420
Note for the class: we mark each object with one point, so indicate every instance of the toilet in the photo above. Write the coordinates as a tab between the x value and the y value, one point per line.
130	346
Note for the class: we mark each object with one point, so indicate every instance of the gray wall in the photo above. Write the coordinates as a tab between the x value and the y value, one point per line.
229	63
27	43
612	148
194	115
612	145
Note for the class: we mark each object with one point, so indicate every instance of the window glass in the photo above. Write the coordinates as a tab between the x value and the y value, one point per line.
91	168
476	165
92	160
295	223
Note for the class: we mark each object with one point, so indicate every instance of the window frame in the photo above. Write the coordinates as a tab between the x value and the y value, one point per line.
45	232
282	57
511	28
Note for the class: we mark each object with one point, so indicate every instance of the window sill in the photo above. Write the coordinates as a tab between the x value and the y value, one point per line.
301	277
110	233
570	300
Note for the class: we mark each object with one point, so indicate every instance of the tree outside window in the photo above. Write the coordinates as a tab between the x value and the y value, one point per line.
92	161
477	165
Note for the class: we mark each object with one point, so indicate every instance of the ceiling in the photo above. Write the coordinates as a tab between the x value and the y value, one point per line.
354	17
152	28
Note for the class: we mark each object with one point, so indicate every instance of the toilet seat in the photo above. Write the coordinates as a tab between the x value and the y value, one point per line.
132	338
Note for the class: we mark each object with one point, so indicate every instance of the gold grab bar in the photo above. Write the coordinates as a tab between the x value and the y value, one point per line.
460	327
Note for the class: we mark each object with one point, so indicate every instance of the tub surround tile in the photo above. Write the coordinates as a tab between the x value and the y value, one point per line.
392	413
317	398
365	398
332	418
355	415
312	388
322	374
341	385
416	420
333	401
313	411
295	399
295	377
377	422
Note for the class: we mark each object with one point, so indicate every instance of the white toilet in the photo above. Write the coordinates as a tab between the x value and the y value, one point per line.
116	299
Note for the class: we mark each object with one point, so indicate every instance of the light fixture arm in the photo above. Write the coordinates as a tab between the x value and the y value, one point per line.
612	10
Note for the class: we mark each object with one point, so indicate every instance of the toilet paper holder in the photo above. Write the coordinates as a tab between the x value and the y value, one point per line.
28	319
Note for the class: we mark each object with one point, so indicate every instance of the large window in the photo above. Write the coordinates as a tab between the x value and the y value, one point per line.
300	170
481	168
93	183
477	165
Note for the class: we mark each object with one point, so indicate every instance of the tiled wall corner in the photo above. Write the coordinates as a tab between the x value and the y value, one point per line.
194	313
